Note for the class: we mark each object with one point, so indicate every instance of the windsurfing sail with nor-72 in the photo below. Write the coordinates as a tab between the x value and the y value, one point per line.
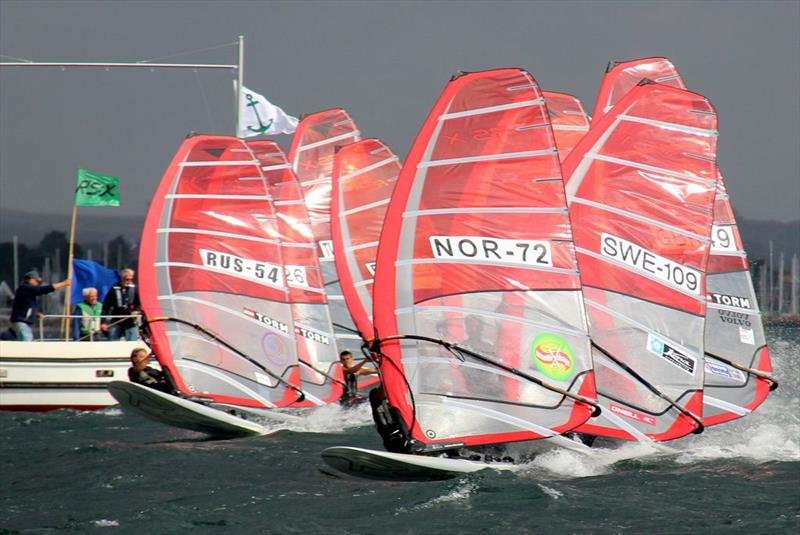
737	363
641	189
569	120
477	307
319	368
311	156
212	281
364	174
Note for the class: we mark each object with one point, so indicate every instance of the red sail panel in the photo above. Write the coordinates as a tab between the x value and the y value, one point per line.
364	174
569	120
477	250
641	189
311	155
210	255
623	76
320	372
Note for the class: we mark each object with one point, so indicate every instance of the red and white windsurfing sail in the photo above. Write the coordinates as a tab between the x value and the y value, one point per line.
641	189
569	120
622	77
311	155
319	368
477	251
210	263
737	363
364	174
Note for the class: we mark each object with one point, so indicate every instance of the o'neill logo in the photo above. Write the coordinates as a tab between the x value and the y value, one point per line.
553	356
632	414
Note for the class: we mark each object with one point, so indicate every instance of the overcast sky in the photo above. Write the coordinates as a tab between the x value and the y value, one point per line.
385	62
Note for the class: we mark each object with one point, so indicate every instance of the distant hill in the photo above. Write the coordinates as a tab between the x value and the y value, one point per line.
95	225
101	225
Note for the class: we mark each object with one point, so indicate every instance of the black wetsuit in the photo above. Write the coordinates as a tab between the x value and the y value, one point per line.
351	396
152	378
389	423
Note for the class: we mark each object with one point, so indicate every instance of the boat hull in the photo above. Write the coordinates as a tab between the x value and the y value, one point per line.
45	375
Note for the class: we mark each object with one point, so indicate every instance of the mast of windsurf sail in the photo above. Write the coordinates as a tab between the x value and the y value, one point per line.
643	256
569	120
311	156
737	363
476	251
211	274
364	174
319	371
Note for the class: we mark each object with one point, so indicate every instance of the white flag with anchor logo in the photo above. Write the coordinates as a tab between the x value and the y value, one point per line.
259	116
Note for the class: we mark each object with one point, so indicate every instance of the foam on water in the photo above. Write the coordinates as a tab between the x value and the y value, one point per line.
331	418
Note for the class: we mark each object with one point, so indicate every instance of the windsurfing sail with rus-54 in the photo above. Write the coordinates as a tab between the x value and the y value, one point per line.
641	189
482	331
364	174
622	76
311	156
319	368
737	362
569	120
212	281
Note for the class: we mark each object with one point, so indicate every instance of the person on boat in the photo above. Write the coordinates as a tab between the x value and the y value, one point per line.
143	374
351	372
123	300
86	323
25	308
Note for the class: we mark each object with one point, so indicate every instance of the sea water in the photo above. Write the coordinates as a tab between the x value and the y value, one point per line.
113	472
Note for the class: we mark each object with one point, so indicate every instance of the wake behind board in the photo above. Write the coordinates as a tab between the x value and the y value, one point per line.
372	464
179	412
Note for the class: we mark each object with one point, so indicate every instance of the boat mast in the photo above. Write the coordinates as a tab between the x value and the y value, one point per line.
240	81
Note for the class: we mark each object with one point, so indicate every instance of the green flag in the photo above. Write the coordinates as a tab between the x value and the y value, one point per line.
94	189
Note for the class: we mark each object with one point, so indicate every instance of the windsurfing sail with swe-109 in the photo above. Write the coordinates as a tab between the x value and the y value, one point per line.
481	327
212	279
641	189
737	362
319	368
311	156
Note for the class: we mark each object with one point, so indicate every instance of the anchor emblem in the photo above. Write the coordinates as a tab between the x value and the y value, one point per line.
261	126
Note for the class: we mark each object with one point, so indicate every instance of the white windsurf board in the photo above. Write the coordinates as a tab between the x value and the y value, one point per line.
372	464
179	412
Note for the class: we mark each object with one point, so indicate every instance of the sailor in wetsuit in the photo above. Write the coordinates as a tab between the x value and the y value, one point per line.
143	374
351	372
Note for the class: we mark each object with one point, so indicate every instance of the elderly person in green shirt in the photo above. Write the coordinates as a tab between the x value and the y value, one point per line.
87	325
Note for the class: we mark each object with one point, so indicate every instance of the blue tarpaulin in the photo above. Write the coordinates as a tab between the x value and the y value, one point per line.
90	274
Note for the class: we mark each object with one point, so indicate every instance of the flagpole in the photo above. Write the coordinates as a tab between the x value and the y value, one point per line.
65	325
240	81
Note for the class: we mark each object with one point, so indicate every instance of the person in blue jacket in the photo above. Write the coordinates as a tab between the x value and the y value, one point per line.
25	308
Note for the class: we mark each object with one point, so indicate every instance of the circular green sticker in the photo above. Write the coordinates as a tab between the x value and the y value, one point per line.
553	356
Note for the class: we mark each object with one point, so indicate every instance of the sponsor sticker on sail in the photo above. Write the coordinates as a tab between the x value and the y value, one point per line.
553	356
670	354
